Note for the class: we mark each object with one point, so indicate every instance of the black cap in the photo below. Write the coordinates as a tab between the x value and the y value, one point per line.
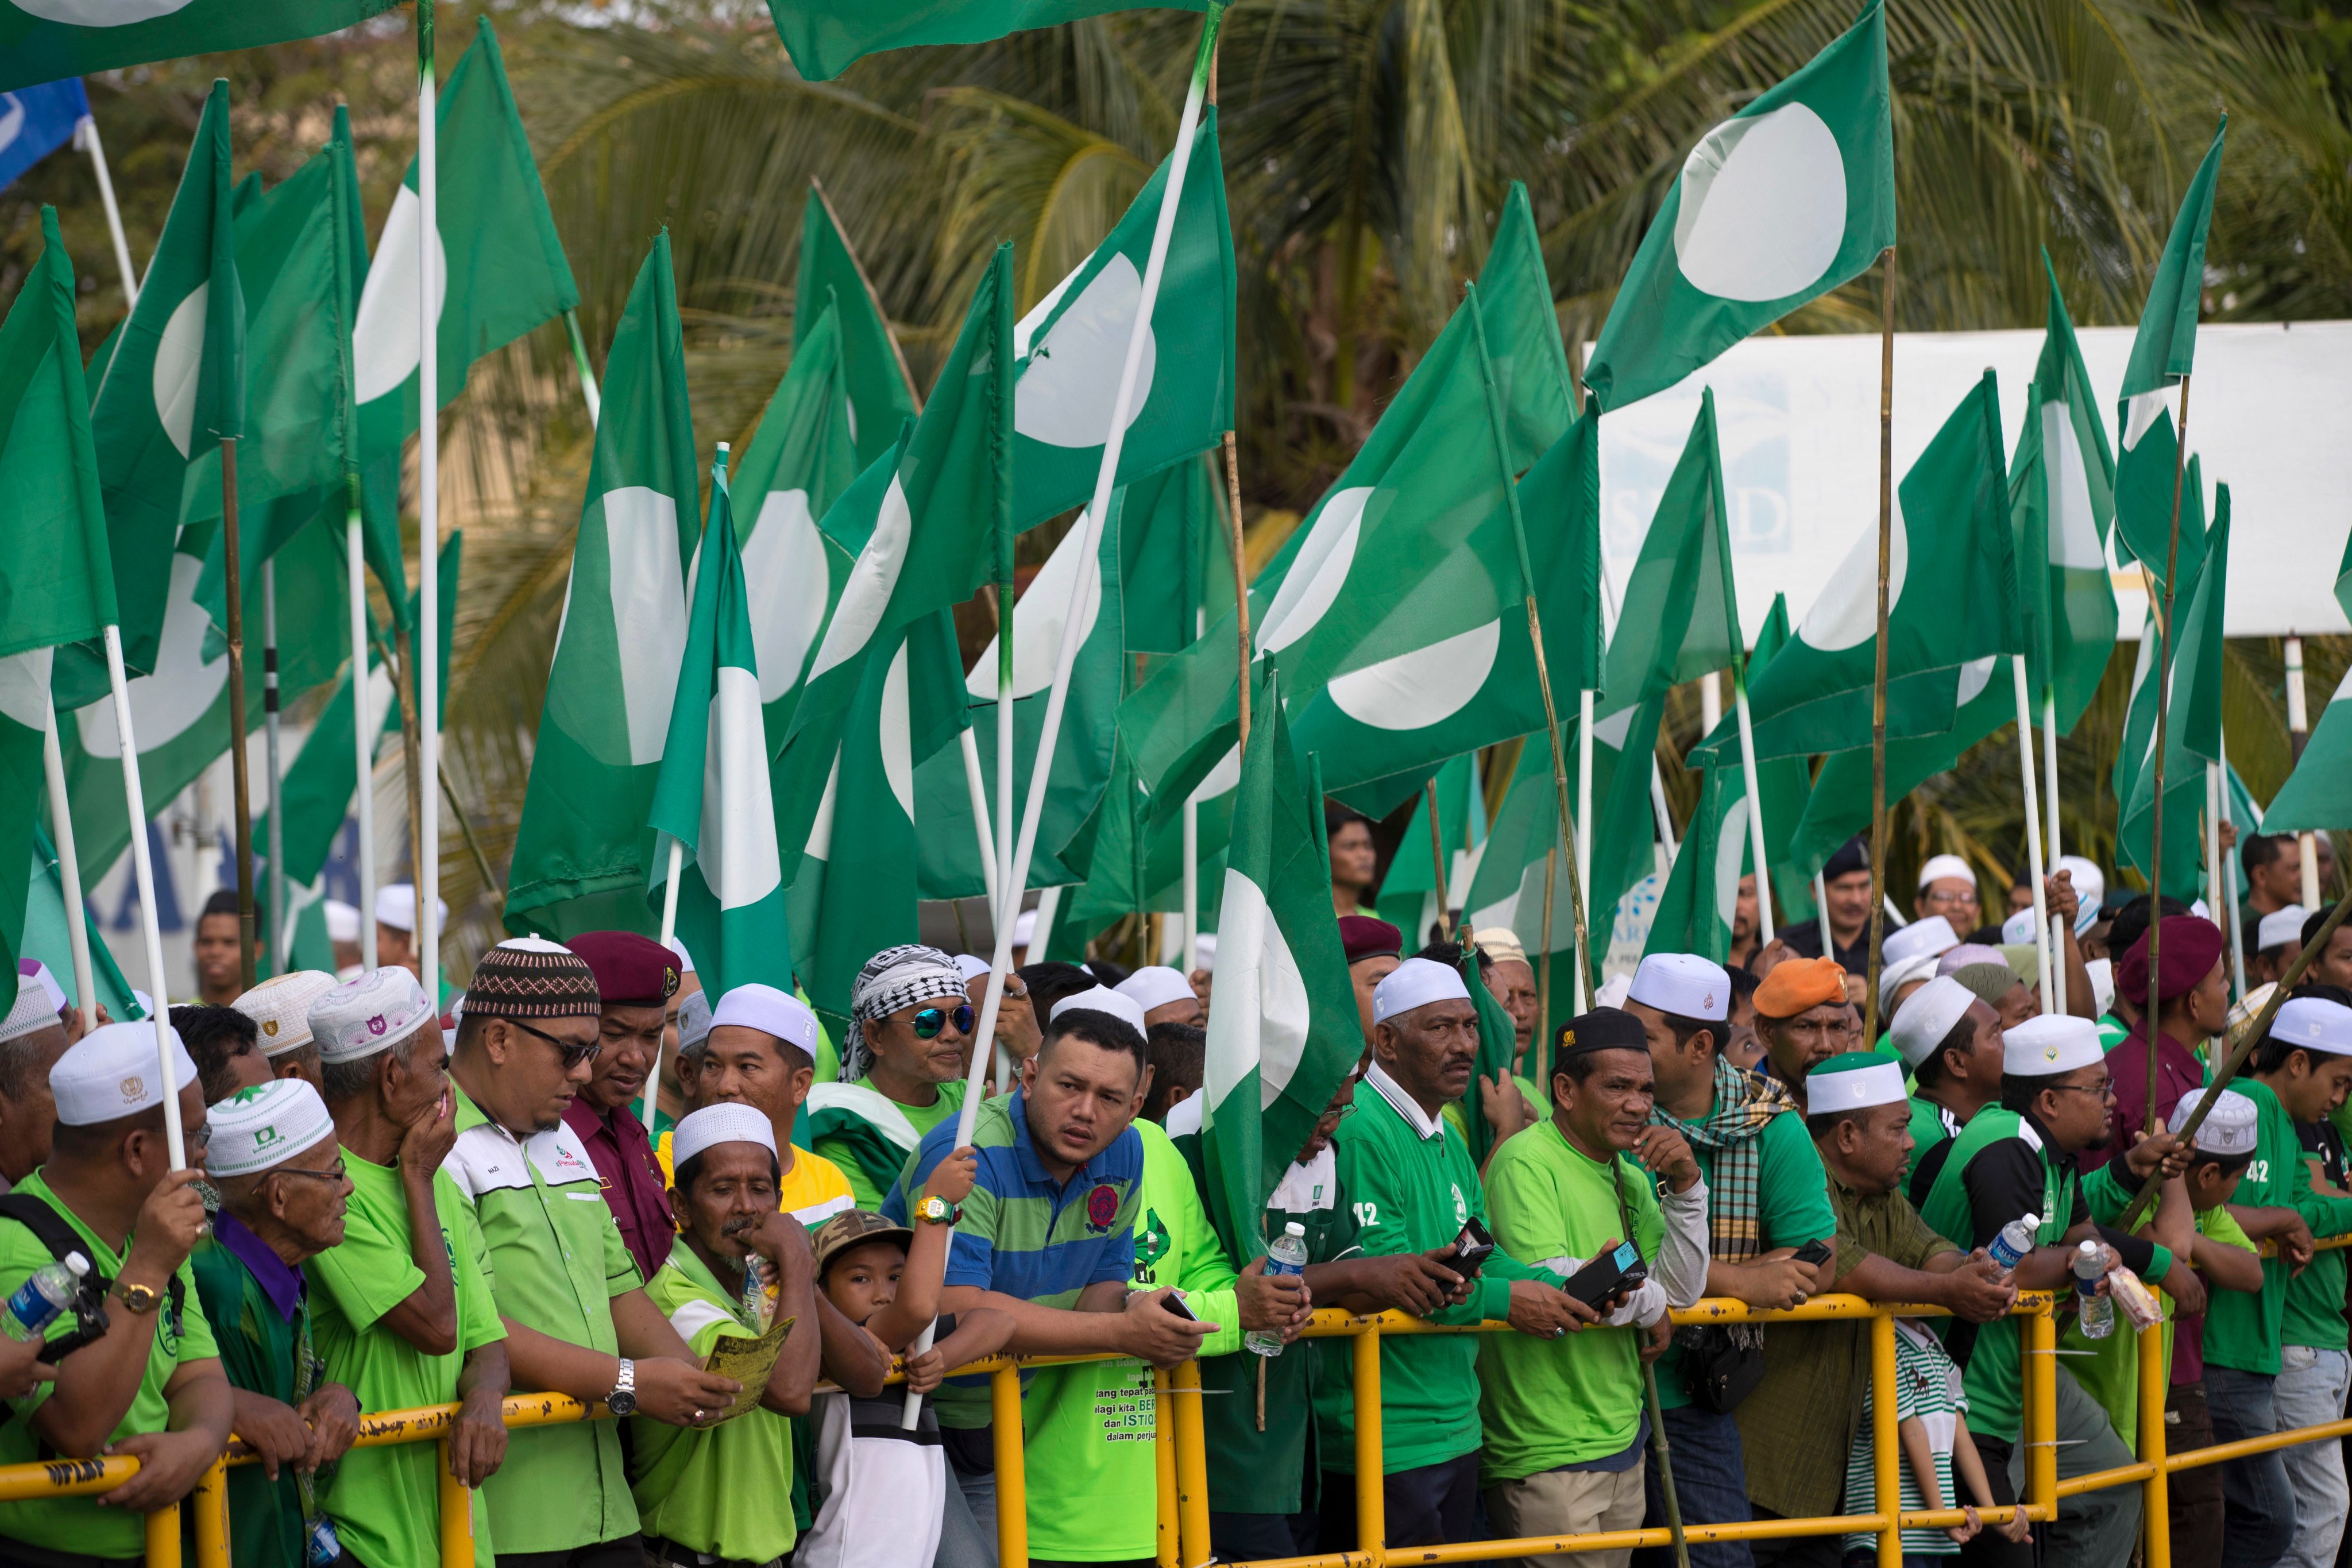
1853	854
1602	1029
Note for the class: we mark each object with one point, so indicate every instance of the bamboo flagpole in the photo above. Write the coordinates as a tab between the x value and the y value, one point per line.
2034	860
53	765
1878	674
2163	721
239	764
1437	858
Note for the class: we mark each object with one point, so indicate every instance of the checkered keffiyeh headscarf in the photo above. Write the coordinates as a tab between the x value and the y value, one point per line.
893	978
1744	1104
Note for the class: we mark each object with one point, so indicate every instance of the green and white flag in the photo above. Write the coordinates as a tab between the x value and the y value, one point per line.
42	40
1072	347
2163	351
711	794
1777	206
2061	499
1408	898
584	853
47	938
880	394
1680	614
2318	795
1290	1031
1523	342
1175	571
826	37
2193	726
172	385
501	271
1952	594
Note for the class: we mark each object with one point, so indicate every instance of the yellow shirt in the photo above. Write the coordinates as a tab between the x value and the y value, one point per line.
813	1190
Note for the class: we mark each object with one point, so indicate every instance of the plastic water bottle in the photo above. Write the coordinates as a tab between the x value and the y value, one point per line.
2098	1313
755	1293
321	1547
2015	1240
39	1300
1287	1257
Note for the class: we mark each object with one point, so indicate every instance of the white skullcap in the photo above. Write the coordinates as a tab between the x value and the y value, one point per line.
1416	983
2313	1025
2200	909
2230	1130
770	1011
1940	866
1612	991
1204	951
280	1008
2019	926
40	973
1102	999
1025	928
30	1013
971	968
684	959
713	1124
2102	971
111	1072
2280	927
2054	1044
694	1021
144	1003
1855	1080
1682	984
1954	959
1926	1015
1895	976
2090	883
342	922
395	906
1931	937
362	1016
266	1125
1155	986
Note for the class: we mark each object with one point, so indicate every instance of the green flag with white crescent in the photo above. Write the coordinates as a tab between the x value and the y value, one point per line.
711	794
2061	499
2163	353
1290	1031
1777	206
877	396
43	40
584	853
826	37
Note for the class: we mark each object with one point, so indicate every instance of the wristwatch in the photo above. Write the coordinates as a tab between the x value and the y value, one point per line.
140	1299
936	1210
623	1400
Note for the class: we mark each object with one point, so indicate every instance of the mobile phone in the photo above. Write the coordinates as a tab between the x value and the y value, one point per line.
1174	1303
1472	1248
1615	1271
1814	1253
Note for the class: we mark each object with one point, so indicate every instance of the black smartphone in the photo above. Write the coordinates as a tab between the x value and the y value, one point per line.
1472	1248
1174	1302
1614	1272
1814	1253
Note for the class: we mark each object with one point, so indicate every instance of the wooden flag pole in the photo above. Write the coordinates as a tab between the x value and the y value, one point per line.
1437	857
1543	969
2163	721
1878	673
241	785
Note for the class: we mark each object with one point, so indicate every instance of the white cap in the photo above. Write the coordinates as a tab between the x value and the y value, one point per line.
362	1016
2231	1129
145	1004
1102	999
1682	984
2200	909
2052	1043
770	1011
1025	928
1954	959
1204	951
1869	1081
30	1013
266	1125
1930	937
726	1123
342	922
684	959
1895	976
395	906
280	1008
2019	927
1612	991
971	968
1940	866
1155	985
1926	1015
47	981
111	1073
2090	883
1416	983
2281	926
2102	971
2313	1025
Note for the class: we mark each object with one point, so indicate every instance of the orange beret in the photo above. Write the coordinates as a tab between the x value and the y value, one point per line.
1796	984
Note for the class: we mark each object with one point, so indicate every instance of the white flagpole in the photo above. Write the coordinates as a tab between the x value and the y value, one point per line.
86	138
668	931
2226	874
2054	845
362	736
2298	729
1584	967
1193	884
428	529
277	927
1764	928
980	821
144	871
53	763
2034	862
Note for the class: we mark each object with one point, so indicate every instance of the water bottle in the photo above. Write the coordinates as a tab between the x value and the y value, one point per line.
39	1300
321	1547
1288	1256
755	1293
2098	1313
2015	1240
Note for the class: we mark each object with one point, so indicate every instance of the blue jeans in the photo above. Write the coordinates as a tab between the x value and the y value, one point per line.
2257	1498
1710	1483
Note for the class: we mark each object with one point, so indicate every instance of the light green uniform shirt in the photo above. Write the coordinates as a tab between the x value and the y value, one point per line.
843	1152
385	1501
77	1525
715	1490
554	1259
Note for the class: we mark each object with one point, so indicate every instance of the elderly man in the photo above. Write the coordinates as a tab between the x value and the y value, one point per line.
914	1024
2193	992
404	1315
1769	1198
1800	1011
31	1040
577	1317
1165	996
1563	1422
636	978
1950	1041
759	1051
280	1174
1948	887
1798	1427
1846	878
1374	948
280	1010
1512	979
223	1042
1412	1189
149	1387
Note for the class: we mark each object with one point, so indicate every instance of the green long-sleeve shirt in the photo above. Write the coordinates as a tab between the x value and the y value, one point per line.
2243	1330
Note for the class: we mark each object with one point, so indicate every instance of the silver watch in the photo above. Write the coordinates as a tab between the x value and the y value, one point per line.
623	1400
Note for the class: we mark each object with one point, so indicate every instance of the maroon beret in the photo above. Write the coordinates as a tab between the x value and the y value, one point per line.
2191	945
1365	937
631	971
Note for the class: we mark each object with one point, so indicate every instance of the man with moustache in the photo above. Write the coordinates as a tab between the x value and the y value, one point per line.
636	978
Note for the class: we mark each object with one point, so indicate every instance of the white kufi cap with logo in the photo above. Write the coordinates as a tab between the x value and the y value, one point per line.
31	1012
1926	1015
2231	1129
280	1008
1685	984
1929	938
266	1125
2052	1044
2314	1024
111	1072
362	1015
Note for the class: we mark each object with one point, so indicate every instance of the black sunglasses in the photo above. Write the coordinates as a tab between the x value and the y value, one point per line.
931	1020
573	1055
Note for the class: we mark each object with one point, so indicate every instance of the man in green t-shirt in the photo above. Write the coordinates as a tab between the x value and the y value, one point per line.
403	1316
1951	1043
905	1067
150	1386
1564	1424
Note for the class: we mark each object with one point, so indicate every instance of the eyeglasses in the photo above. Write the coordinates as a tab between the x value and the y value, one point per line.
931	1020
573	1055
2105	1088
336	1175
1948	900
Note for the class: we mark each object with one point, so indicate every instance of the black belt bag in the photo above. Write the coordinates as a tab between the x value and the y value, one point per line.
1722	1364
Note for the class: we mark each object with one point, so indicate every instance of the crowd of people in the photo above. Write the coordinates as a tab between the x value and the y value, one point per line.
385	1203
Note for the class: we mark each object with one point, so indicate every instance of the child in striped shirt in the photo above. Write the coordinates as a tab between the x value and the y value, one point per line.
1931	1423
